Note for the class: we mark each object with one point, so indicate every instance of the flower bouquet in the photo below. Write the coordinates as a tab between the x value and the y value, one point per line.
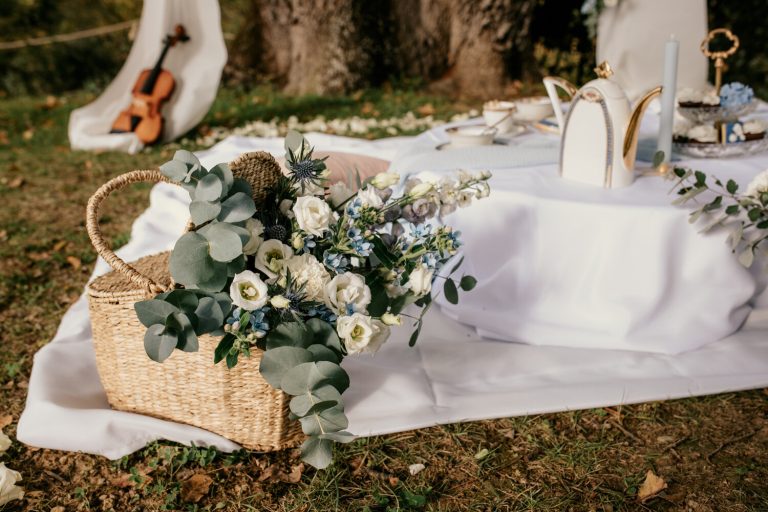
309	275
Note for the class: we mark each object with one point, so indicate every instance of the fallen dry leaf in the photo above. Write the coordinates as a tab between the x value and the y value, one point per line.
16	182
294	476
652	486
75	262
51	102
426	110
4	138
195	487
28	134
58	246
5	421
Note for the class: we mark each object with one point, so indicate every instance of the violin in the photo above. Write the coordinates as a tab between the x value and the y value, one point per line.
153	88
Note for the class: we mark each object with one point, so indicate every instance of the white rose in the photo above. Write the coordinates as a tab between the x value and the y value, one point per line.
420	280
759	185
369	197
8	489
361	334
256	229
338	193
5	442
312	214
306	270
347	291
248	291
271	257
385	180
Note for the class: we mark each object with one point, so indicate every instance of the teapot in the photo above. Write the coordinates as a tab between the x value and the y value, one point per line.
599	132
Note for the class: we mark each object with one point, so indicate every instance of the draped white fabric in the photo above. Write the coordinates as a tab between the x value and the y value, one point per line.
631	37
196	65
454	374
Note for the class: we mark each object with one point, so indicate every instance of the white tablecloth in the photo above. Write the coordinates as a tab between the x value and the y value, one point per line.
451	375
560	263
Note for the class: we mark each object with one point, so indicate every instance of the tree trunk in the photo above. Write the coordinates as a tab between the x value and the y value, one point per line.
467	47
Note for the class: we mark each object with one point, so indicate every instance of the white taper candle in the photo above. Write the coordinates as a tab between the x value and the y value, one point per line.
667	117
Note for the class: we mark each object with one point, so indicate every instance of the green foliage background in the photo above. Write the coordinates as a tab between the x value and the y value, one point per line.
563	46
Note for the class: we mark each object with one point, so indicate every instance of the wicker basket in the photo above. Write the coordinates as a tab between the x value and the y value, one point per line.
188	388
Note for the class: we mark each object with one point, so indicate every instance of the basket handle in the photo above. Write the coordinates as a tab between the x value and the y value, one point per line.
97	238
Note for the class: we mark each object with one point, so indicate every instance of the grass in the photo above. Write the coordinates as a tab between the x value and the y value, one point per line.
711	451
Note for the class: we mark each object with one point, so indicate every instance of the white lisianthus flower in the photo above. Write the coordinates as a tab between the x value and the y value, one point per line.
346	292
422	189
312	214
361	334
9	491
369	197
759	185
385	180
256	229
271	257
420	280
248	291
309	272
390	319
338	193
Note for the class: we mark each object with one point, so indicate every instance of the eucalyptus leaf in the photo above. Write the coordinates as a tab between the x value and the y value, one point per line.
276	362
210	316
209	188
225	175
174	170
158	343
306	377
190	262
203	211
240	185
330	419
317	452
289	334
186	339
186	300
324	333
338	437
323	353
218	279
224	241
237	208
294	142
300	405
154	311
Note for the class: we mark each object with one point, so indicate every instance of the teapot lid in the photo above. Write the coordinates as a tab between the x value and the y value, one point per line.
604	84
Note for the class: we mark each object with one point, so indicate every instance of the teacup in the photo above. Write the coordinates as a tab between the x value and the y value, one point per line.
466	136
500	115
533	109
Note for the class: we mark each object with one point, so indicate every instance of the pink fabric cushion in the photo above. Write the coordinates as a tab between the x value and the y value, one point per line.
341	163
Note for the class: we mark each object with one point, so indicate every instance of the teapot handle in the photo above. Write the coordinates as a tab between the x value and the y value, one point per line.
550	84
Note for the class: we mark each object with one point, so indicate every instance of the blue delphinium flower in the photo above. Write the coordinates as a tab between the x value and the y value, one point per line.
335	261
323	313
354	207
736	94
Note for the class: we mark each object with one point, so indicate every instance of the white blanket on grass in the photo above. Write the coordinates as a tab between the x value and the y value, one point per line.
452	374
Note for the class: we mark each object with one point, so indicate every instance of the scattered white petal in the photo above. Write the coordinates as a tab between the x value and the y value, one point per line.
415	469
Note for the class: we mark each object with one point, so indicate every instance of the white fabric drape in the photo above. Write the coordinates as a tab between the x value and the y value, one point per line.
196	65
631	37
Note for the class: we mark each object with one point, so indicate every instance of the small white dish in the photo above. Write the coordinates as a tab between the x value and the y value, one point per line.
499	114
533	109
468	136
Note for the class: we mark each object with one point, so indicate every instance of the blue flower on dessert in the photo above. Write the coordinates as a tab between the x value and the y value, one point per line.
736	94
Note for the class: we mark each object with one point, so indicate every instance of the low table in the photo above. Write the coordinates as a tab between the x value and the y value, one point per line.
560	263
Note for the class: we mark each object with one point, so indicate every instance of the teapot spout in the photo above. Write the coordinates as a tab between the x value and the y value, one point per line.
633	128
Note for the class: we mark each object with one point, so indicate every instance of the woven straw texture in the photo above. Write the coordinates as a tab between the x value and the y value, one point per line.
188	388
